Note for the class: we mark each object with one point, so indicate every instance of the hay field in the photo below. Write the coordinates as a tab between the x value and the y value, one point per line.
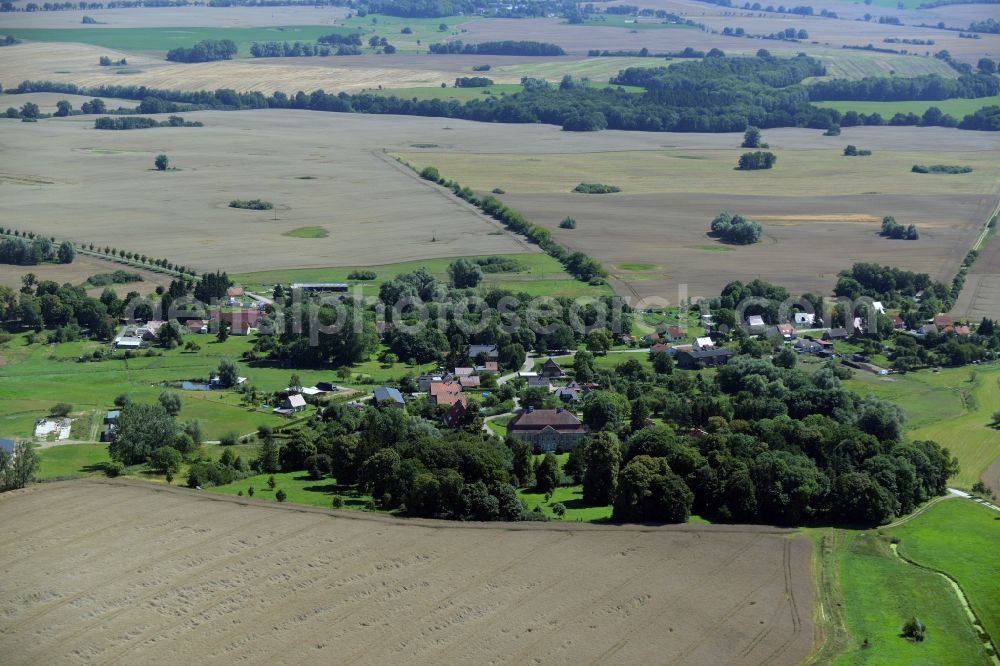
71	181
821	211
76	273
125	572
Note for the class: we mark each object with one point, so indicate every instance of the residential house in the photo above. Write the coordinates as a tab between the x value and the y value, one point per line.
463	372
808	347
786	331
943	321
445	393
291	404
239	322
660	348
756	324
703	358
196	326
836	334
674	334
878	307
804	319
235	292
540	382
703	343
490	367
927	329
551	370
567	394
470	382
149	330
384	395
491	351
962	329
453	417
897	322
547	429
424	382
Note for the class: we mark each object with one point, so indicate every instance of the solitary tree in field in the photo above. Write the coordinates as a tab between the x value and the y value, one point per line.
171	402
162	162
751	138
63	108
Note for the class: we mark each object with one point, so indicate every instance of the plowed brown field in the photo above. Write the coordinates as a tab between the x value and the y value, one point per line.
129	573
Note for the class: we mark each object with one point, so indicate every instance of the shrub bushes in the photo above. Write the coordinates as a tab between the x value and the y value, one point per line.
251	204
940	168
362	275
568	223
596	188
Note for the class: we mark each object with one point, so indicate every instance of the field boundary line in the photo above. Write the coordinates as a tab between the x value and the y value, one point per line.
384	156
430	523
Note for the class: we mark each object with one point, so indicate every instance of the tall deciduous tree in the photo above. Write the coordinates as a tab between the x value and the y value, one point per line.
600	477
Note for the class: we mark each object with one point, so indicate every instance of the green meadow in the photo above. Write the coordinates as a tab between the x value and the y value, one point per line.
541	276
952	406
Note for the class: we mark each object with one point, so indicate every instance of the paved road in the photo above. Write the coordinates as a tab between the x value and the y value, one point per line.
529	363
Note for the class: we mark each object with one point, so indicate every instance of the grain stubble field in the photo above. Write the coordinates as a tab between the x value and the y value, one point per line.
128	573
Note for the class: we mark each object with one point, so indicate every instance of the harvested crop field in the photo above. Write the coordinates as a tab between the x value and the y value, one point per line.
76	273
102	571
91	186
821	211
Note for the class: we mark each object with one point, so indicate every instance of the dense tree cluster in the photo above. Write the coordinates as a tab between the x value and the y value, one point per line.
337	39
24	252
506	47
207	50
893	229
756	160
735	229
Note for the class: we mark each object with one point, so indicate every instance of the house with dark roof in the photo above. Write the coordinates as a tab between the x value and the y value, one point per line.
547	429
836	334
551	370
690	359
491	351
808	347
455	414
385	395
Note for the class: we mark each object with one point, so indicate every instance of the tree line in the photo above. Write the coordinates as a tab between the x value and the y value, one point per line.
927	87
506	47
140	122
717	94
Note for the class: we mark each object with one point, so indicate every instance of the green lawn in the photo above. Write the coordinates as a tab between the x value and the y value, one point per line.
35	377
543	276
957	107
572	498
879	592
71	460
499	425
953	407
960	537
308	232
299	488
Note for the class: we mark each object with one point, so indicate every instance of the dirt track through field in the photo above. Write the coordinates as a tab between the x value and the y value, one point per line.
126	572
